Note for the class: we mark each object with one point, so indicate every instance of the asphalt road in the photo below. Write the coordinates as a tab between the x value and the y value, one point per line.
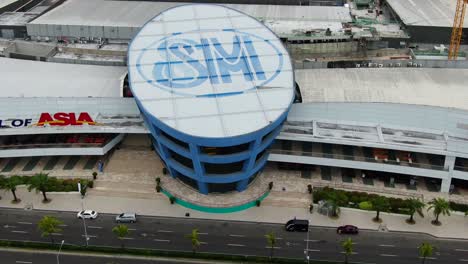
241	238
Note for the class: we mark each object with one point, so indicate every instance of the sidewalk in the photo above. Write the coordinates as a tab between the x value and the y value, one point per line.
158	205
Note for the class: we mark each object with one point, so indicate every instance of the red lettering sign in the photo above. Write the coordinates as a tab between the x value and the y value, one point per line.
65	119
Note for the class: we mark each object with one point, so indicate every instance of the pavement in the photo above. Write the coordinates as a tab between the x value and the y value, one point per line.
230	237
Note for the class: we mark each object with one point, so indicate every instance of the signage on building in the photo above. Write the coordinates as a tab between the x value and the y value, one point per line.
51	119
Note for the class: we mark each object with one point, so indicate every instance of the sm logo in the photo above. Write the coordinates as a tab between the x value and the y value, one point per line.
65	119
187	64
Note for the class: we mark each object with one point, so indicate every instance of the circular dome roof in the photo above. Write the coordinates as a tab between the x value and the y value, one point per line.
210	71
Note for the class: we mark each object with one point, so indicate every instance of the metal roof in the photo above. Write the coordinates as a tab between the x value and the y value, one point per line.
131	14
419	86
431	13
210	71
25	78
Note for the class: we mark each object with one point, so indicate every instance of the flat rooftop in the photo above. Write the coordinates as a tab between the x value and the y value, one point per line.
417	86
429	13
24	78
4	3
137	13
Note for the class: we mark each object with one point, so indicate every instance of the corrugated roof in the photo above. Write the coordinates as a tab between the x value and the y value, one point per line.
419	86
434	13
25	78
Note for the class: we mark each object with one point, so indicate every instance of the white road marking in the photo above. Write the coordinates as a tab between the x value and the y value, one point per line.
95	227
25	223
279	238
465	260
388	255
203	234
273	247
132	229
165	231
428	258
21	232
89	236
161	240
236	245
24	262
352	253
57	234
63	225
128	238
236	235
313	250
204	243
311	240
459	249
386	245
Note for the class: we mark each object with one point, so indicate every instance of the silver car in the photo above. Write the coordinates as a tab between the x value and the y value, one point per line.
126	218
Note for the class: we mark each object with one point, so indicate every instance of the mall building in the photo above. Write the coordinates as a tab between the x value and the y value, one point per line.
218	96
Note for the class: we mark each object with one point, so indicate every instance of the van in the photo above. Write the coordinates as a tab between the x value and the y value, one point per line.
297	225
126	218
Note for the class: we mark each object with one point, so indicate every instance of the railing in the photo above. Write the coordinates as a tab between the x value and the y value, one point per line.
53	145
355	158
363	188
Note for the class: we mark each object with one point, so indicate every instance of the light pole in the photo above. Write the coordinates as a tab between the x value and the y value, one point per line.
306	252
58	254
84	224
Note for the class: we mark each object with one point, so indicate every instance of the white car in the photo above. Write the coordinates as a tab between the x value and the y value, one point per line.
87	214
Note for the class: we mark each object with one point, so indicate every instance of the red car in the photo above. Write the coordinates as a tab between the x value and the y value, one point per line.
347	229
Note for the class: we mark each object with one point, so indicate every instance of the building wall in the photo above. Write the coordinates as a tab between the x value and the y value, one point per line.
437	35
212	164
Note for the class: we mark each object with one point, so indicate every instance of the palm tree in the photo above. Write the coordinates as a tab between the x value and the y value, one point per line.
439	206
271	241
425	251
194	239
10	184
333	201
121	231
48	226
380	204
415	206
40	182
348	248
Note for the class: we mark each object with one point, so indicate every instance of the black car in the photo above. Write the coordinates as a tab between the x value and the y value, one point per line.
347	229
297	225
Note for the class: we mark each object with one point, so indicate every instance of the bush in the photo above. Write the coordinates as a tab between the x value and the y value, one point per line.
172	199
365	205
90	184
158	180
69	188
458	207
158	188
94	175
258	203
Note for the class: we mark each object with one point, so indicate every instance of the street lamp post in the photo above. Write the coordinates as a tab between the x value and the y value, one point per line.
84	225
58	254
306	252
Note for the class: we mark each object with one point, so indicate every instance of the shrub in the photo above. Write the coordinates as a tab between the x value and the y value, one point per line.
94	175
25	179
258	202
309	188
158	180
158	188
270	185
69	188
458	207
366	205
90	184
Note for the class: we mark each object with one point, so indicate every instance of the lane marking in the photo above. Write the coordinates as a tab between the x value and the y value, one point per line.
236	245
465	260
56	234
128	238
352	253
203	234
311	240
63	225
21	232
388	255
428	258
313	250
161	240
25	223
25	262
279	238
273	247
459	249
236	235
95	227
165	231
204	243
132	229
93	236
386	245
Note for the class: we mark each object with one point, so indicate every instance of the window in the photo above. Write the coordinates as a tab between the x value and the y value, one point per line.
225	150
174	140
181	159
223	168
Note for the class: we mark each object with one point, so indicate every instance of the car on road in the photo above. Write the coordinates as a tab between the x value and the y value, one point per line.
297	225
347	229
126	218
87	214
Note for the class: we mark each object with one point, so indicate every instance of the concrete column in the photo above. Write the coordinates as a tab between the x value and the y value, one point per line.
449	163
445	186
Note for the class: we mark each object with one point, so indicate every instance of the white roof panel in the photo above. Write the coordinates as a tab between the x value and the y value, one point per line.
209	78
25	78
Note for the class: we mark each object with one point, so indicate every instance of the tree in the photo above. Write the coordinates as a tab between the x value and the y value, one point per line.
121	231
380	204
439	206
347	248
334	199
10	184
194	239
414	206
40	182
48	226
425	251
271	241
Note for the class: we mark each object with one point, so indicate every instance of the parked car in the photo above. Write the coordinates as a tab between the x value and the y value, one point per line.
126	218
297	225
347	229
87	214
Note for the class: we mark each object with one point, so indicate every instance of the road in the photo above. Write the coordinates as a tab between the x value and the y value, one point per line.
241	238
